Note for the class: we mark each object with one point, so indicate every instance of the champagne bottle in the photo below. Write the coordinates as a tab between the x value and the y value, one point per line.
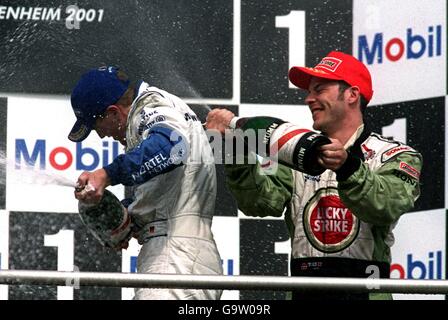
108	220
284	142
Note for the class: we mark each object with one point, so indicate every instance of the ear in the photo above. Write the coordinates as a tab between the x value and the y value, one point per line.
112	109
354	94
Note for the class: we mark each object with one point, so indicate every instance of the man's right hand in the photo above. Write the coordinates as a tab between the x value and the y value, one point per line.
333	155
219	119
90	186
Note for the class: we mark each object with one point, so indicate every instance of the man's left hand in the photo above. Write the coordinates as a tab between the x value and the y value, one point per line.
91	185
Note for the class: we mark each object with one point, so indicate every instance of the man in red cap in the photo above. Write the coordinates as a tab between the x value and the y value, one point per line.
341	220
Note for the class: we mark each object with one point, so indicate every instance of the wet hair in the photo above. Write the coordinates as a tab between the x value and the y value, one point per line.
344	86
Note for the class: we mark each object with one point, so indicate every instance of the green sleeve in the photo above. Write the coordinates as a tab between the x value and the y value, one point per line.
380	197
258	194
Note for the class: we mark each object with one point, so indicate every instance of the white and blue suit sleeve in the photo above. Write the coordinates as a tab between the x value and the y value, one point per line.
163	147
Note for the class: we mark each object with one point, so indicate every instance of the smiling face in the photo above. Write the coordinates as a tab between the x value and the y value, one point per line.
327	104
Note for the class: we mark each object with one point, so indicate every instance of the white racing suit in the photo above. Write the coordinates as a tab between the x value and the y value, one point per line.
170	164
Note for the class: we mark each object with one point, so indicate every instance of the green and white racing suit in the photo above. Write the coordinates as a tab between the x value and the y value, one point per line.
339	222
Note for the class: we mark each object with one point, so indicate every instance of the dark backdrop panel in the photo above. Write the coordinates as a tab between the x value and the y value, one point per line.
27	252
225	203
425	131
264	48
258	257
183	46
3	123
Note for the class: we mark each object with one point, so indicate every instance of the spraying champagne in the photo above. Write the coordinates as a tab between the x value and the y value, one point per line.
108	220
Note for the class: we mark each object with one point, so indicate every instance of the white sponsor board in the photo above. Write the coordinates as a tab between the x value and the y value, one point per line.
419	250
296	114
129	264
37	135
226	231
403	43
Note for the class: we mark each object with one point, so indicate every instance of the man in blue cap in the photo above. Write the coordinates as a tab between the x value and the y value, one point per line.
174	195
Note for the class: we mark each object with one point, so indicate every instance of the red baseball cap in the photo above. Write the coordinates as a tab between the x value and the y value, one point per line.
337	66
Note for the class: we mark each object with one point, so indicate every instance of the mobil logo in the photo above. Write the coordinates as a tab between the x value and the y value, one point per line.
429	268
413	46
38	154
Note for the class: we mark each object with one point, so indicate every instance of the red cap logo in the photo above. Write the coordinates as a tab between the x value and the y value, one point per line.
336	66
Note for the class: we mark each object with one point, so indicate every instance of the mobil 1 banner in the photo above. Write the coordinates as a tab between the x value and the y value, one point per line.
420	124
55	241
398	48
276	35
182	46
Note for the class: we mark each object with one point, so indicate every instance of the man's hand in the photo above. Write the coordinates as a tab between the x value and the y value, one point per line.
219	119
332	156
90	186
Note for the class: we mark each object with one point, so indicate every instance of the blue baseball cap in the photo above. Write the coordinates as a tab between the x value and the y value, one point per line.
95	91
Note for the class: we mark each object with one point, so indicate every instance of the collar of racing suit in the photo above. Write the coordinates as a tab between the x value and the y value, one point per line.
361	135
140	87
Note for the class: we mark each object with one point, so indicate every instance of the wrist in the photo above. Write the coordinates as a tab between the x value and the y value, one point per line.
349	167
232	123
105	177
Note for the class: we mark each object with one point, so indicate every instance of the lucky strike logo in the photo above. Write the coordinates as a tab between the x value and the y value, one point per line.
38	154
413	46
329	224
